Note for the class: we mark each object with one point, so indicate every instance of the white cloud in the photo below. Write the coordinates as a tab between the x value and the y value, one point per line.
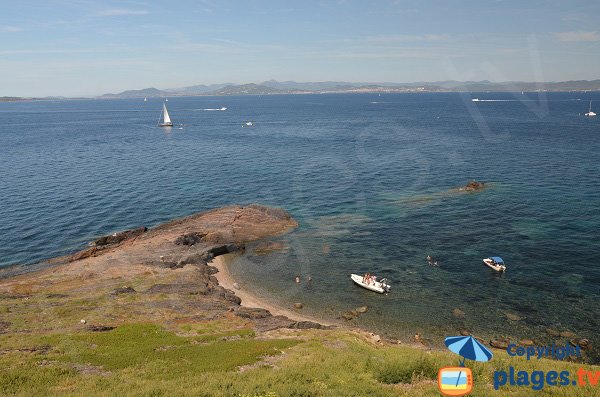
10	29
405	38
578	36
119	12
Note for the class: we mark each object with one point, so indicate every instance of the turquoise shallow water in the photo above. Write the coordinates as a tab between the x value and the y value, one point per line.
368	177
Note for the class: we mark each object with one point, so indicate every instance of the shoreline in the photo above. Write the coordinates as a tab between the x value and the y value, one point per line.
252	300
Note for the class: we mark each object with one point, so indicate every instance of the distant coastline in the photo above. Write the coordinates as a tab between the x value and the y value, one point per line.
273	87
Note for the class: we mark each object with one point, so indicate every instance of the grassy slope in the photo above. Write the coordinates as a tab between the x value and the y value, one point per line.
204	359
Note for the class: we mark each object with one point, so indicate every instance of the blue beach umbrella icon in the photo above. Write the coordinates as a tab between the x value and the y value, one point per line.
468	348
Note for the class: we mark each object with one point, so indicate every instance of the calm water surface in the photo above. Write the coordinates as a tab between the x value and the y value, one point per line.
368	177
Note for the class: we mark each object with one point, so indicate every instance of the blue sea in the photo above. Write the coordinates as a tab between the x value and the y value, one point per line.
371	180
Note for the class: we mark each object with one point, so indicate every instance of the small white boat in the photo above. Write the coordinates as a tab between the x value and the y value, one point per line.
590	113
145	99
380	286
475	100
496	263
166	120
248	124
223	108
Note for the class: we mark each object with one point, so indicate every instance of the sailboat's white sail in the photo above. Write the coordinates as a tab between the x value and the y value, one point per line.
166	118
590	113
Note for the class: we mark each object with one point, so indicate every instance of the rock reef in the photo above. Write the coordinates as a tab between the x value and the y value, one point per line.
157	275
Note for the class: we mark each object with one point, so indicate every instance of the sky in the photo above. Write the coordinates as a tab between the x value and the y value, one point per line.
84	48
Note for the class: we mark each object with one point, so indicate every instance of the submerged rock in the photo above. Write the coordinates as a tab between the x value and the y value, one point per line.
458	313
298	305
362	309
513	317
267	247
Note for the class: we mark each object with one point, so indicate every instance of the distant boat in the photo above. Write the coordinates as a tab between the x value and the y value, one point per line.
248	123
496	263
166	120
223	108
166	99
145	99
475	100
590	113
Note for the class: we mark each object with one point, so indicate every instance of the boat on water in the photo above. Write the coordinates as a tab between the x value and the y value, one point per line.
145	99
248	124
223	108
166	120
496	263
380	286
590	113
475	100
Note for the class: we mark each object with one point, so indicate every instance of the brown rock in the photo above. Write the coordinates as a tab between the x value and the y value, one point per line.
119	237
298	305
458	313
123	290
552	332
99	328
567	334
527	342
500	343
189	238
362	309
513	317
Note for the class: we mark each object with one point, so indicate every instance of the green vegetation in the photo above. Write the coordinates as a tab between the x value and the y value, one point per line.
220	358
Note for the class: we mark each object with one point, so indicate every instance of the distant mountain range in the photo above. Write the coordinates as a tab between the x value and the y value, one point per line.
273	87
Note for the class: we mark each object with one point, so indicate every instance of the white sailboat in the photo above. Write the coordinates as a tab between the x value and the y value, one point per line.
166	120
590	113
145	99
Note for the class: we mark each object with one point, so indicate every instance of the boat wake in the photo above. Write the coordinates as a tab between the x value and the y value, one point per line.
214	109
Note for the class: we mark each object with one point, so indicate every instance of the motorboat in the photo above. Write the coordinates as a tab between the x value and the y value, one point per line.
381	286
496	263
475	100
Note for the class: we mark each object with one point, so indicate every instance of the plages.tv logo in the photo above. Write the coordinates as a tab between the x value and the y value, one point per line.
458	381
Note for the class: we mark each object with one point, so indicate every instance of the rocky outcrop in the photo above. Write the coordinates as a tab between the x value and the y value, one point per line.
472	186
169	264
118	237
189	238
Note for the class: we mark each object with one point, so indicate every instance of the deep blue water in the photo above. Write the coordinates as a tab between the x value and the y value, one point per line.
369	178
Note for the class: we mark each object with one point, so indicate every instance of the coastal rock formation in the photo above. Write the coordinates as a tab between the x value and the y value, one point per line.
167	266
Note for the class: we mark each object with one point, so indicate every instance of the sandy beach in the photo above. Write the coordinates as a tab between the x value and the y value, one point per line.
250	299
